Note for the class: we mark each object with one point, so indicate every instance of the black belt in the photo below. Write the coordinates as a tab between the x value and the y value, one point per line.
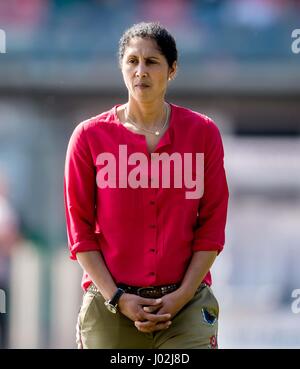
154	292
150	292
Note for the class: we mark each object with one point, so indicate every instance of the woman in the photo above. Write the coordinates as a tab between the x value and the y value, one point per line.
144	239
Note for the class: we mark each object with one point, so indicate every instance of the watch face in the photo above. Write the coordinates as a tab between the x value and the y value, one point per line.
110	307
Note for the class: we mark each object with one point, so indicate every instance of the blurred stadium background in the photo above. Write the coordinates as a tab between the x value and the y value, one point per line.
237	66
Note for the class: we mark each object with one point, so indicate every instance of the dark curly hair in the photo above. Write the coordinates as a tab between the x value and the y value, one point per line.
153	30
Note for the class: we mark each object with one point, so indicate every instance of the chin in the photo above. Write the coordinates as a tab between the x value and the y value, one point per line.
142	97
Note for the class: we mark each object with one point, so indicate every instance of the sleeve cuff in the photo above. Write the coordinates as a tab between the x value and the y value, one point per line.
83	246
206	245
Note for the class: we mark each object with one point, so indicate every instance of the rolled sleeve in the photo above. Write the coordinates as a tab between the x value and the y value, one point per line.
212	211
80	195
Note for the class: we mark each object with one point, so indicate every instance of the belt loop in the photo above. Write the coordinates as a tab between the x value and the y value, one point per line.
92	288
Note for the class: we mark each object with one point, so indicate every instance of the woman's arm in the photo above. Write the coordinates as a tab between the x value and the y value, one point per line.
130	305
173	302
209	236
199	266
80	200
92	262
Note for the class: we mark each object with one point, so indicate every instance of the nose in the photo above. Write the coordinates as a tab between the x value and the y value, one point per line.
141	71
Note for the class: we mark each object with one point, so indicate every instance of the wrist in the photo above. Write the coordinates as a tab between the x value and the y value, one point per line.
112	304
122	301
185	293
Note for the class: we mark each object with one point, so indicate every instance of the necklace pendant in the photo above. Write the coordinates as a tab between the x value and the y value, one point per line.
156	133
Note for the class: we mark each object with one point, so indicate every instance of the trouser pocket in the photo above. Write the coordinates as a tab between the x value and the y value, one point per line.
87	301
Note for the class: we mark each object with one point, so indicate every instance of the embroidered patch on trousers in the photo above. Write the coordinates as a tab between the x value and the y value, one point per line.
208	317
213	342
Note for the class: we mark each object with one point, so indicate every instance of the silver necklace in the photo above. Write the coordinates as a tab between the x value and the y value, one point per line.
156	132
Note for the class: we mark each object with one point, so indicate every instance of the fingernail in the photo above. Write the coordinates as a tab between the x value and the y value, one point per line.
158	301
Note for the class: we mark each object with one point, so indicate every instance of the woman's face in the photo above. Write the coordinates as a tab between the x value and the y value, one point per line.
145	70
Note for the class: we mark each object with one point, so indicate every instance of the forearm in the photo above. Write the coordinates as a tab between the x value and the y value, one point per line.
93	264
199	265
172	303
131	306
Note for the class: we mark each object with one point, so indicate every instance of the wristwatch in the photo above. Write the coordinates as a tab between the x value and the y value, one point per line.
112	304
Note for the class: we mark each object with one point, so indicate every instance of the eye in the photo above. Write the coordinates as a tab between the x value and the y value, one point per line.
132	61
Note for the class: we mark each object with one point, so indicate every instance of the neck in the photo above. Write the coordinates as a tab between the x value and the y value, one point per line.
147	115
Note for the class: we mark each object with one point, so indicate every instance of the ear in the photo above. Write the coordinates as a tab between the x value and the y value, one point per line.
172	71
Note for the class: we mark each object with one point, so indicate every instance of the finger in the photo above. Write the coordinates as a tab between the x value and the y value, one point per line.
161	311
149	302
151	309
154	318
162	326
144	326
147	327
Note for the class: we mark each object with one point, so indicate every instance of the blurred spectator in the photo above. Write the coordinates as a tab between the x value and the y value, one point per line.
169	12
255	13
22	21
22	14
88	29
9	235
177	15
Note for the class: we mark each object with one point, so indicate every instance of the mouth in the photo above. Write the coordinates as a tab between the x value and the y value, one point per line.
141	85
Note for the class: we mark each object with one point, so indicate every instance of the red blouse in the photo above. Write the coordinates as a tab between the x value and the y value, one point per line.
145	228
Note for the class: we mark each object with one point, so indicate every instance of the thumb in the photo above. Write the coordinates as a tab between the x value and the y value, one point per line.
152	309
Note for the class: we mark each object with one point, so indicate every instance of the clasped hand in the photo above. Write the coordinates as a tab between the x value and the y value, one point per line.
150	315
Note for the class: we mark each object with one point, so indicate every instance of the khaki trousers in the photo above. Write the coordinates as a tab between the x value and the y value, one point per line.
194	327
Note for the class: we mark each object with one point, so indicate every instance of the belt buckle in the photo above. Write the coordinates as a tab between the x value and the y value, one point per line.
144	289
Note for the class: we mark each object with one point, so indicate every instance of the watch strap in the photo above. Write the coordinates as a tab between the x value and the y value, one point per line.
115	299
